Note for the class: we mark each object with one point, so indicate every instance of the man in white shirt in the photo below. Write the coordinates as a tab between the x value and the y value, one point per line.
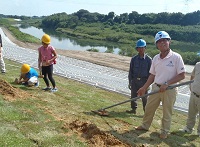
167	68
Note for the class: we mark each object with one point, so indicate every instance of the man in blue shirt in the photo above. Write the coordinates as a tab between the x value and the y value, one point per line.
138	73
29	76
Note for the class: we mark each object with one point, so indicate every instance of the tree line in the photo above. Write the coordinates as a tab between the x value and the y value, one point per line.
126	29
181	27
134	18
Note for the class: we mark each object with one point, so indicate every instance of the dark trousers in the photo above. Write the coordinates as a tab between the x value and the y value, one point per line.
48	71
135	86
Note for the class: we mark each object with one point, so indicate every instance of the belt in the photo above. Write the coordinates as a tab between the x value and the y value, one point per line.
140	78
196	95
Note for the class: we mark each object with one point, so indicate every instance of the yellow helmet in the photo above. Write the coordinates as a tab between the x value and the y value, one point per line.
46	39
25	68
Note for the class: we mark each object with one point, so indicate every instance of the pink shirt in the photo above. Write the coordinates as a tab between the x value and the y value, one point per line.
167	68
46	54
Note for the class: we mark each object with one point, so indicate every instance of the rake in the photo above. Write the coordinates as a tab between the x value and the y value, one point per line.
103	112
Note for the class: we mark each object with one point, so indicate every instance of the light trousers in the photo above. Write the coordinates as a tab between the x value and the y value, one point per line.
2	63
194	109
168	99
32	81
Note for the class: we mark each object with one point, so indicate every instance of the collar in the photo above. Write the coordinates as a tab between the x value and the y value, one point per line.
142	57
168	55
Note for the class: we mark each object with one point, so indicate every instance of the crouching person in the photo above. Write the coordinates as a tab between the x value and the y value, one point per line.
28	76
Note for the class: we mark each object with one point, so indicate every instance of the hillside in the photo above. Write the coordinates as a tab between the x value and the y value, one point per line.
32	117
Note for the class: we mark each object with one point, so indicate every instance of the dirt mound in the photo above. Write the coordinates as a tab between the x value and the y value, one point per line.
10	93
95	136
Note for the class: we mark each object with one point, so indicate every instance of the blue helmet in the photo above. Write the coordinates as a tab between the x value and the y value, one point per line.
141	43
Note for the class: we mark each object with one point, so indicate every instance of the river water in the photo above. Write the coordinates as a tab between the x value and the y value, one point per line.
64	42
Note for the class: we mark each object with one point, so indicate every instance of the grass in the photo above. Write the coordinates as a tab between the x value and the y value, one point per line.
41	118
23	36
9	22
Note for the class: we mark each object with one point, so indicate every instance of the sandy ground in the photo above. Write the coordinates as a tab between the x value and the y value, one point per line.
105	59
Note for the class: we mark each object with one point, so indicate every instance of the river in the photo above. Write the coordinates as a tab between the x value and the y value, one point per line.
67	43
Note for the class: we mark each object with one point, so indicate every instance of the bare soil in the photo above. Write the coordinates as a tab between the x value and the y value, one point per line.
90	132
11	93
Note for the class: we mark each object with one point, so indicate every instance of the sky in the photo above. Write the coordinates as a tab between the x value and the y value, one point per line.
48	7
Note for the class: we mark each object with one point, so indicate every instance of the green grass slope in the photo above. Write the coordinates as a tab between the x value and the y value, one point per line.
32	117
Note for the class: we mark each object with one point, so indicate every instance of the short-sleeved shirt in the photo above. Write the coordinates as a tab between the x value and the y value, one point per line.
32	73
195	86
167	68
46	53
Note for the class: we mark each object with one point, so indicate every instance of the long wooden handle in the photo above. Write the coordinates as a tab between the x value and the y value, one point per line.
151	93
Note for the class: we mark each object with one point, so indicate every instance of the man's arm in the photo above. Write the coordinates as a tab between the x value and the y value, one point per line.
23	78
177	78
144	88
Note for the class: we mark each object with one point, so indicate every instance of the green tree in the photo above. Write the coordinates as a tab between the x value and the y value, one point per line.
133	17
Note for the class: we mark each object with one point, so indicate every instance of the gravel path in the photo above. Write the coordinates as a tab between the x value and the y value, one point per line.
100	76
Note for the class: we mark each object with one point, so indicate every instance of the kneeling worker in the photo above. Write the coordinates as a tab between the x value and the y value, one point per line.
28	77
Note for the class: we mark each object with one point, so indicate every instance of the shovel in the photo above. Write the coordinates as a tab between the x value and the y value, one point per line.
103	112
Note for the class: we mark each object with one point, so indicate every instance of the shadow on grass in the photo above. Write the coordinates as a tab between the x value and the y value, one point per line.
190	137
182	139
29	88
113	114
131	137
138	137
24	87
